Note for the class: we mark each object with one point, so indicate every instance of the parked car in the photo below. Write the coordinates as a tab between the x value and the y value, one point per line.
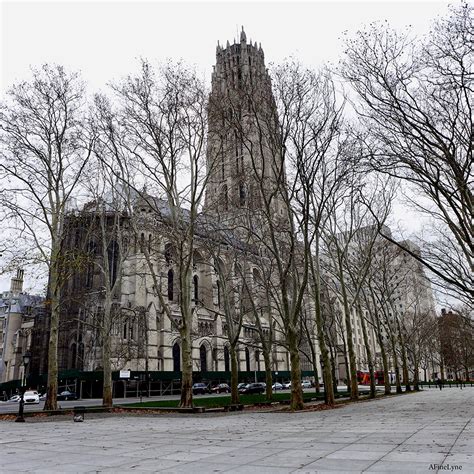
221	388
286	384
31	397
14	398
253	388
43	397
67	395
241	385
200	388
277	386
306	384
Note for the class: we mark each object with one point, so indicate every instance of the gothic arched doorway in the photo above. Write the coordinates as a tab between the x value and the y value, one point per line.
203	357
176	358
226	359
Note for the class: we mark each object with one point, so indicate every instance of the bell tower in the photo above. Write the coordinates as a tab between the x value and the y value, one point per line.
243	145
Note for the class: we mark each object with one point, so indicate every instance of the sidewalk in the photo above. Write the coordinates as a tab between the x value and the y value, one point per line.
410	433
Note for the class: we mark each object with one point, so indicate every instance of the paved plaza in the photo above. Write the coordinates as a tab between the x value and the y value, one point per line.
409	433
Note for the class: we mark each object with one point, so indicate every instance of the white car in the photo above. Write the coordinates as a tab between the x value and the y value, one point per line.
31	396
306	384
14	398
277	386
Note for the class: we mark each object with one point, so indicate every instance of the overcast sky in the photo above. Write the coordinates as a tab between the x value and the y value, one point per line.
104	39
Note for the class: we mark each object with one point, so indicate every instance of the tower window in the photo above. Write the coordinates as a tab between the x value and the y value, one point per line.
242	194
196	288
170	284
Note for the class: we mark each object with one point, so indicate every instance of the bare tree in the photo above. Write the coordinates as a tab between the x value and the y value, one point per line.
351	235
415	100
45	148
158	138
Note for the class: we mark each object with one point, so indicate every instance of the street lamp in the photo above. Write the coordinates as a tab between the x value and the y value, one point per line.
26	361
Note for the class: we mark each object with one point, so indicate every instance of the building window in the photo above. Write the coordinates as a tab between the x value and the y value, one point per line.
218	286
176	358
242	194
203	357
196	288
113	255
170	285
226	359
91	250
168	254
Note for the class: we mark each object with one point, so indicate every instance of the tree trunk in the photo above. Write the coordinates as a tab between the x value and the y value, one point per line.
187	366
314	363
51	402
326	366
106	357
368	351
416	378
346	365
296	390
386	374
350	344
268	374
333	373
234	375
396	367
406	377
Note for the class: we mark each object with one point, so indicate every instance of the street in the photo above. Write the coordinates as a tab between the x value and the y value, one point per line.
419	432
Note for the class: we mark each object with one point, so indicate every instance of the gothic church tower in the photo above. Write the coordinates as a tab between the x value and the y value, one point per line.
243	145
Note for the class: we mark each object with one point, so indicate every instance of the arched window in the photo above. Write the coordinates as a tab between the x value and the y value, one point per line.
203	357
170	285
196	288
242	194
113	255
149	243
168	254
247	359
176	358
226	359
91	250
142	242
218	287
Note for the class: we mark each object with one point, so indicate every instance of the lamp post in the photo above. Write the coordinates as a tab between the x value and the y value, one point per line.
26	361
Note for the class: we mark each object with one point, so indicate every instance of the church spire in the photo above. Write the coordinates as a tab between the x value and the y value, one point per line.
243	36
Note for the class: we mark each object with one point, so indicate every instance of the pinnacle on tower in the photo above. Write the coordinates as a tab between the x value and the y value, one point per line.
243	36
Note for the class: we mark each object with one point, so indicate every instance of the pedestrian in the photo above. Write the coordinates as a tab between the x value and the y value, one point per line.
440	383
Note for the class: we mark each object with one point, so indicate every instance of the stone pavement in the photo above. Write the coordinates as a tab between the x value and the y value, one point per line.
409	433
